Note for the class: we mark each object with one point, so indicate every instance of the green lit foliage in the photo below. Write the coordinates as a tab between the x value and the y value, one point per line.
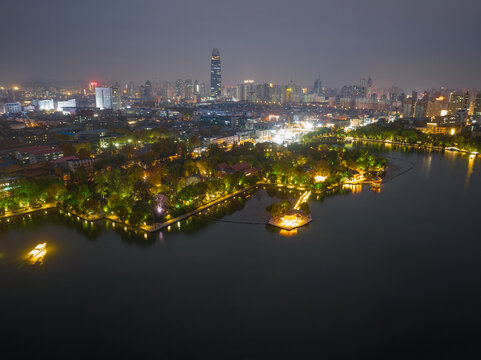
277	209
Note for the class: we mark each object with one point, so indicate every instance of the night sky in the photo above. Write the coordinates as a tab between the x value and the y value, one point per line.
411	43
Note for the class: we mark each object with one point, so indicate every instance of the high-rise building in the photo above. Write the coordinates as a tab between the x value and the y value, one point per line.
477	105
369	88
215	75
116	98
130	87
458	101
147	94
179	88
436	106
103	98
189	90
246	91
317	86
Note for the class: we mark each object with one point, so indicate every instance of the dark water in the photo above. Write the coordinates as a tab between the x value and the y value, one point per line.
391	275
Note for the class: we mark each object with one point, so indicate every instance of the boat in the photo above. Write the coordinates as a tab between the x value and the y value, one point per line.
38	251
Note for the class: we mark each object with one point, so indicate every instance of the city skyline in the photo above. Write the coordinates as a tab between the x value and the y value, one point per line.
266	41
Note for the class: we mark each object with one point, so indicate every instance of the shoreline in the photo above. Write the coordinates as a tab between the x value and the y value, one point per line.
418	146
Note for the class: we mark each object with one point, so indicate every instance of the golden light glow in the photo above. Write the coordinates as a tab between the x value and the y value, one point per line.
319	178
354	188
291	221
444	112
288	232
452	131
37	254
304	197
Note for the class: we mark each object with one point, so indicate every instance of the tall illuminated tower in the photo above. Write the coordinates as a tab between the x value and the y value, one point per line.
215	75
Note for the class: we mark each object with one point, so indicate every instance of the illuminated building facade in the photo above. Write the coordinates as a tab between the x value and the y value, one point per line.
477	105
458	101
215	75
103	98
108	98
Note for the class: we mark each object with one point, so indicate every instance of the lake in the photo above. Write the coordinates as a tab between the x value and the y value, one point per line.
394	274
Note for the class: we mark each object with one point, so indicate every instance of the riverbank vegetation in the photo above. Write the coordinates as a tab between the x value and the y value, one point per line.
169	180
397	133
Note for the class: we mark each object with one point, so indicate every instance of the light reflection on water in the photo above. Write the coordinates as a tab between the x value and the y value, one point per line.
427	162
418	261
469	172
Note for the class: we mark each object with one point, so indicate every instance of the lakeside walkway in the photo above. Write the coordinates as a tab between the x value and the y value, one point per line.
419	146
198	210
28	211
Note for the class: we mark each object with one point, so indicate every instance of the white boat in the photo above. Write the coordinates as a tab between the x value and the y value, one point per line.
38	250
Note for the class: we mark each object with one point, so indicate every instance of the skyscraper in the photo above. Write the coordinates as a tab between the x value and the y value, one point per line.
179	89
477	105
108	98
215	75
317	90
116	98
147	94
458	101
103	98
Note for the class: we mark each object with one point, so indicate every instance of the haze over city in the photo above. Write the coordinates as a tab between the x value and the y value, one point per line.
262	179
412	44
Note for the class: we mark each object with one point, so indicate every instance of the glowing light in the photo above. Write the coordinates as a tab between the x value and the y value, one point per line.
304	197
319	178
291	221
444	112
308	126
452	131
288	232
37	254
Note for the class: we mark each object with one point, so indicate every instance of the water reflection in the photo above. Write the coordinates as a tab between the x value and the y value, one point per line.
469	171
355	189
427	162
288	232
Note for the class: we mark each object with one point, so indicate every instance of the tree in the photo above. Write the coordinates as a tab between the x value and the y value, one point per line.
67	148
84	153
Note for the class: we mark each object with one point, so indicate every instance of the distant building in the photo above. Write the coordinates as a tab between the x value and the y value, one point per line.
247	91
61	105
36	154
72	164
12	108
458	101
147	94
179	88
215	75
46	105
477	105
116	99
435	107
317	90
103	98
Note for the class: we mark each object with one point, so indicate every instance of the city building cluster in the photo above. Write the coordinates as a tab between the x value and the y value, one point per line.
42	123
